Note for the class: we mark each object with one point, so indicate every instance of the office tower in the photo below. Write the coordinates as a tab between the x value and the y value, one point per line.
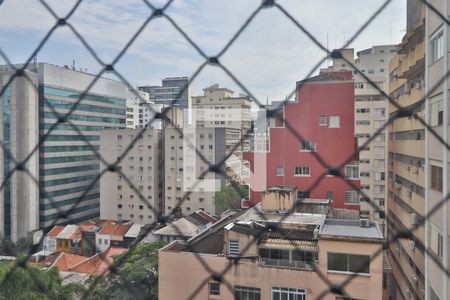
323	116
406	146
19	197
436	175
119	200
168	92
68	164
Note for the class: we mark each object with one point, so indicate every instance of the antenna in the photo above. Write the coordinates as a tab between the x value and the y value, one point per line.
73	64
328	55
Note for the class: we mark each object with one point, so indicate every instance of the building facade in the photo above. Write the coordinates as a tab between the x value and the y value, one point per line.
406	166
141	111
168	92
437	182
142	165
322	114
19	132
281	263
371	113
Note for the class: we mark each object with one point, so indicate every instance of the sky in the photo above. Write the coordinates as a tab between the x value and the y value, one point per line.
267	58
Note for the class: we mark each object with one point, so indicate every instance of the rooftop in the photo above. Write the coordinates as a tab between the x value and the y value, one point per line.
115	229
350	229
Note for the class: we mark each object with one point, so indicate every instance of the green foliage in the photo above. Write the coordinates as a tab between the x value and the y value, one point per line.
9	248
230	197
33	283
136	276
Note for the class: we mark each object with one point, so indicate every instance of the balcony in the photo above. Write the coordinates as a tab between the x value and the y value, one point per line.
284	263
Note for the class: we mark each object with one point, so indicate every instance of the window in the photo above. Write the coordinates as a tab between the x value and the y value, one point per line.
322	120
302	171
380	175
437	47
359	85
351	197
436	178
380	112
437	113
354	263
233	248
280	170
351	172
245	293
99	241
303	195
330	195
214	289
105	241
119	205
436	241
335	122
281	293
308	146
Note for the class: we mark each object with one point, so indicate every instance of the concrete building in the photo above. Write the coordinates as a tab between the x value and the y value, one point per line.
406	146
68	163
323	116
168	92
141	166
281	263
183	168
19	134
437	180
370	114
141	111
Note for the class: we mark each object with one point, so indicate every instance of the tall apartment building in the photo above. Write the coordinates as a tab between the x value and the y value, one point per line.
371	114
67	161
287	261
142	164
323	116
19	134
141	111
406	167
437	182
168	91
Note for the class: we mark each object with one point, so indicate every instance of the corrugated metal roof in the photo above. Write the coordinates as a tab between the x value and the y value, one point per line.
67	232
288	244
134	230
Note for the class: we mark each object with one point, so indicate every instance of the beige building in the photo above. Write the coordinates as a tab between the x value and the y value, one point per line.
142	164
283	262
182	169
406	146
436	155
371	114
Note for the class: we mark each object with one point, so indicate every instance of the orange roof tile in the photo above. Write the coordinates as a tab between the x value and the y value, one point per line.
56	230
99	263
65	261
115	229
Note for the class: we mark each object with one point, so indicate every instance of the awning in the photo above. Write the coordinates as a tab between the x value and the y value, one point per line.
288	244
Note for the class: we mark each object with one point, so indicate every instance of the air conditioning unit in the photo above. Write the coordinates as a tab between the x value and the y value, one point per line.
413	219
415	170
417	85
409	193
412	245
397	185
364	223
414	279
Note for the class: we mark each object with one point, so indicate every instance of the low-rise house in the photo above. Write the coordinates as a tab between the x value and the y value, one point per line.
111	234
131	234
186	227
69	240
270	252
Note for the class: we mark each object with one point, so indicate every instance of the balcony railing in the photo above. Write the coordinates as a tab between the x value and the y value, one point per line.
284	263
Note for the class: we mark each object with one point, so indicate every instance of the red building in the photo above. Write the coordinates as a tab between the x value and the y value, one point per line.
323	117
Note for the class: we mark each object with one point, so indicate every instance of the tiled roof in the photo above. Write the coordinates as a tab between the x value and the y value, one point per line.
55	230
99	263
115	229
329	76
208	244
351	229
201	218
65	261
67	232
180	227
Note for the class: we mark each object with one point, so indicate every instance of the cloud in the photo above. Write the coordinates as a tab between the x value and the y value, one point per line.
268	57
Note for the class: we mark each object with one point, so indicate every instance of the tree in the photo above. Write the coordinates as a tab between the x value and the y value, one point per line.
230	197
136	275
33	283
